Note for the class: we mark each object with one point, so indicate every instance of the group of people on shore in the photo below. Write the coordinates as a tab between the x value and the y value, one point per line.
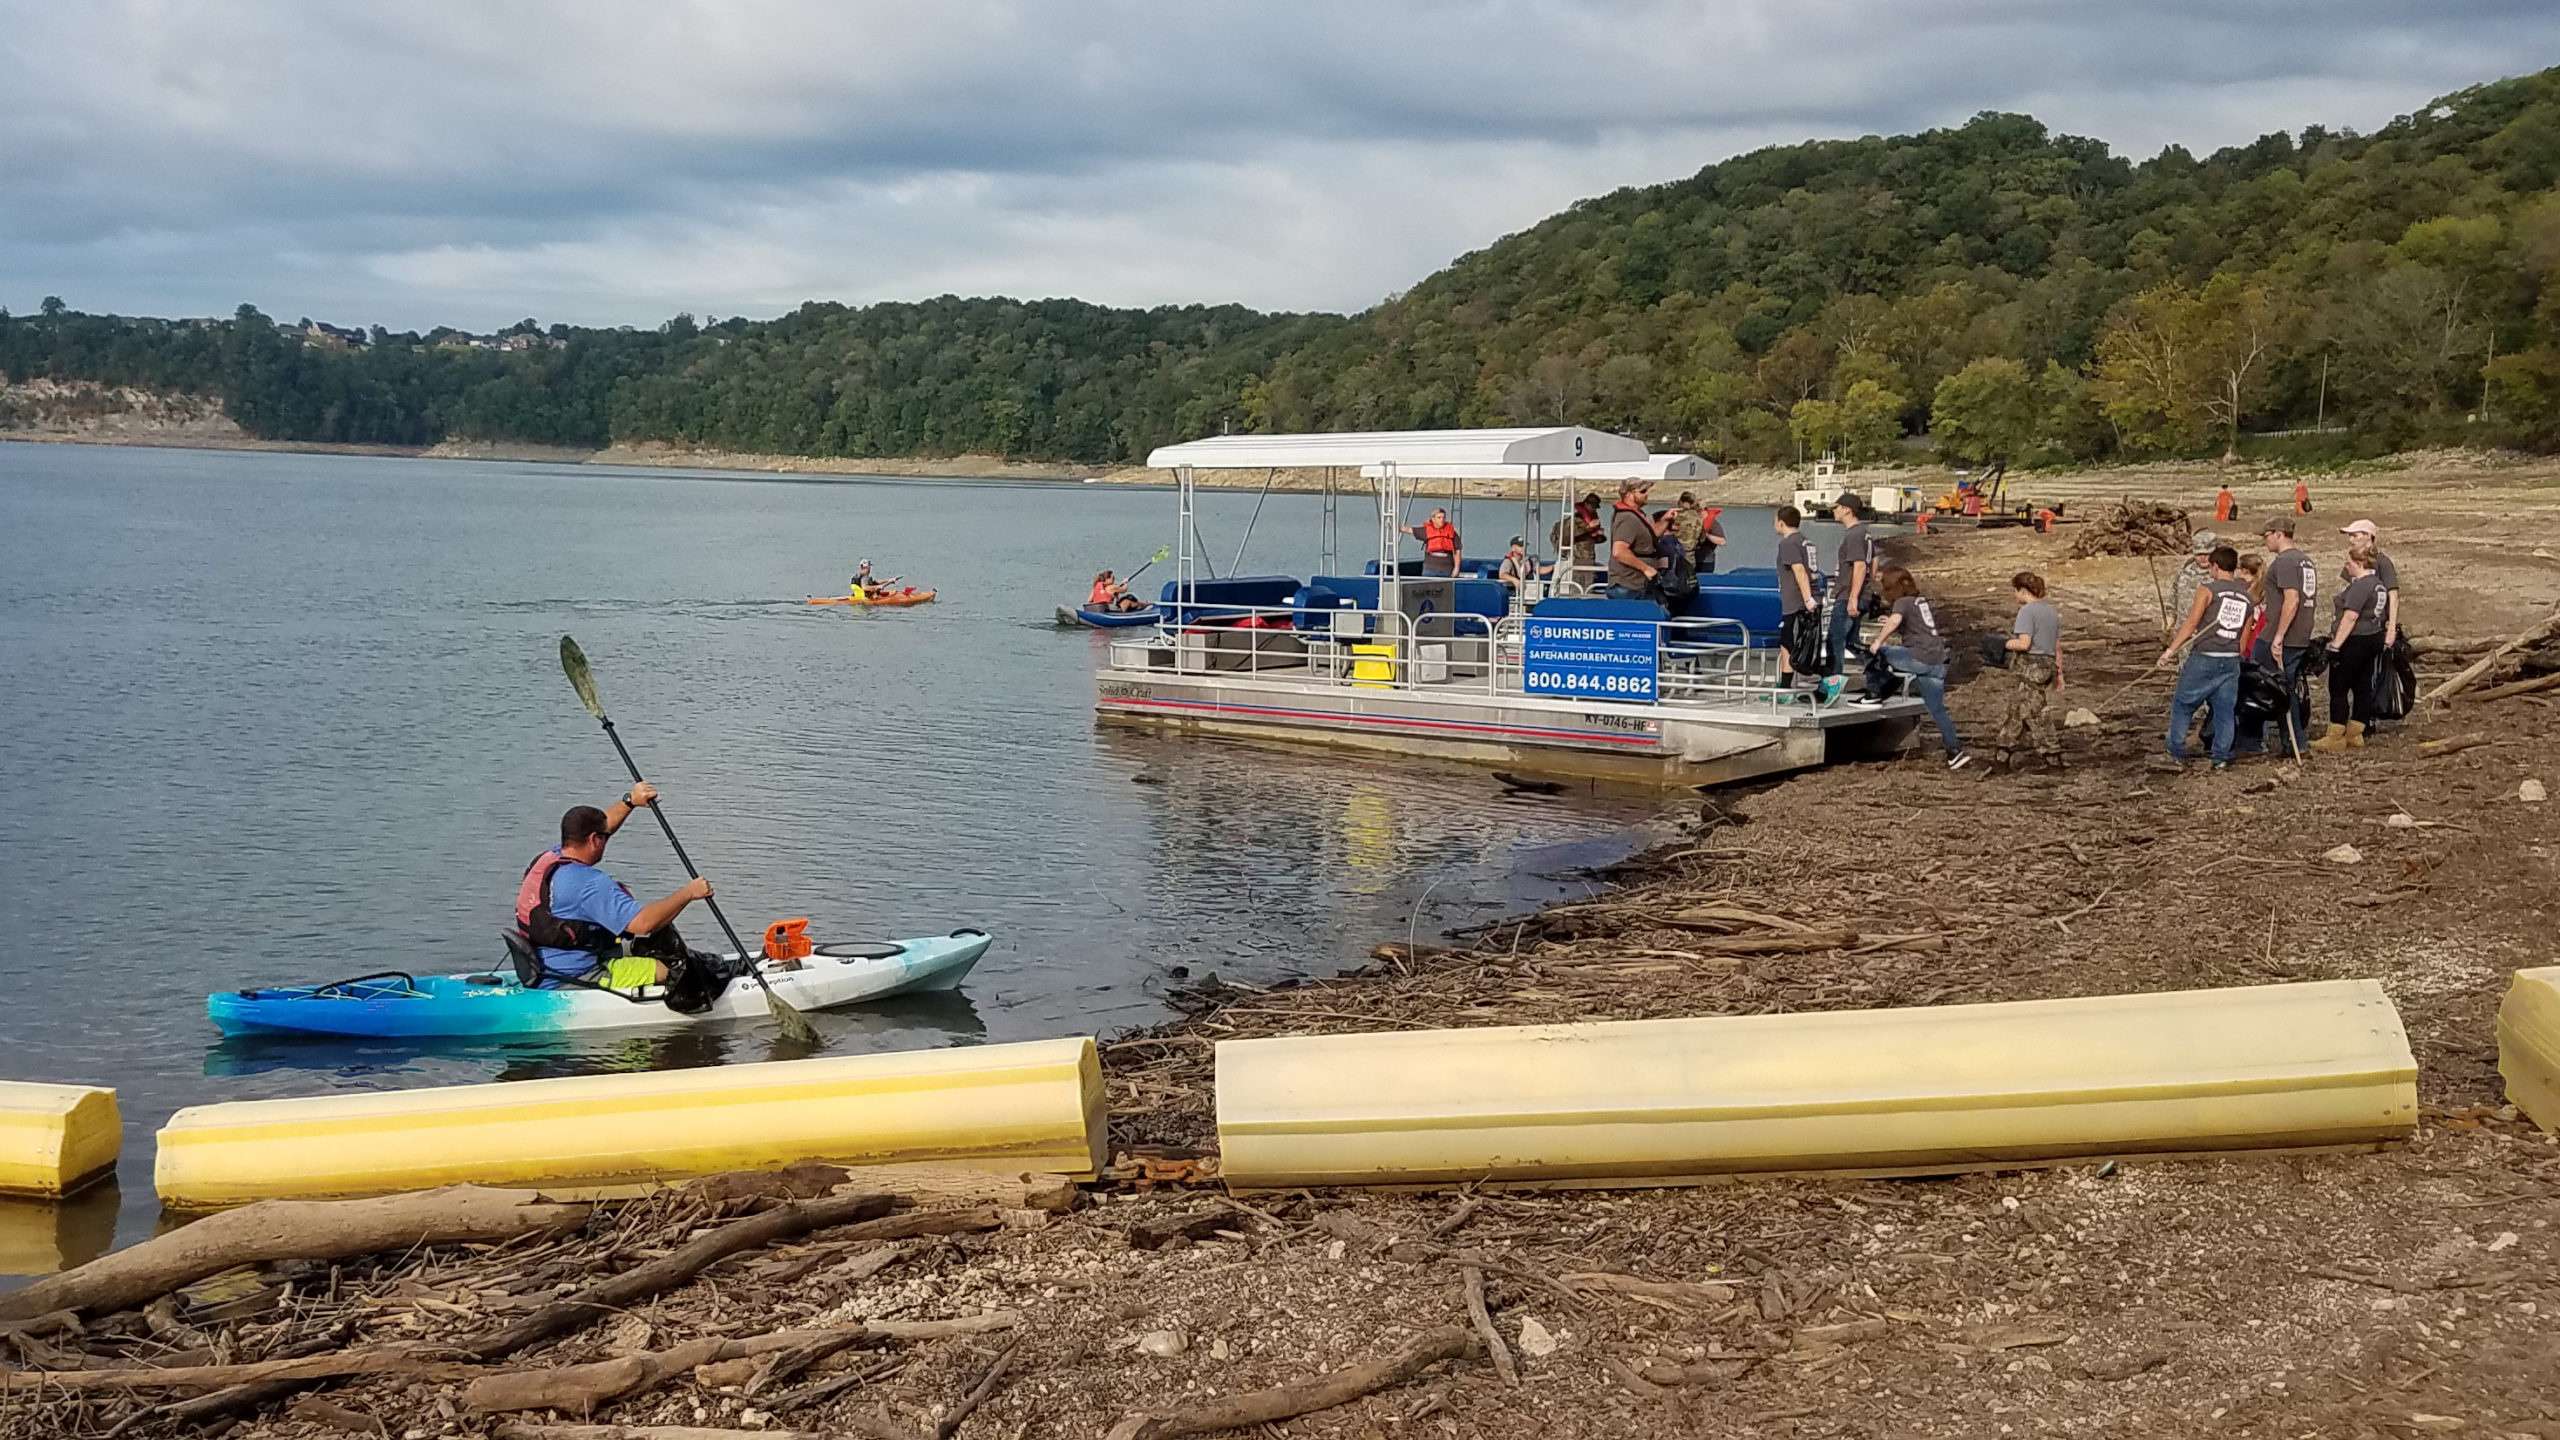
2264	618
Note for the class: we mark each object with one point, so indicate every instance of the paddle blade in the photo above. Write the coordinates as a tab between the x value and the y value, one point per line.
795	1026
574	661
1161	552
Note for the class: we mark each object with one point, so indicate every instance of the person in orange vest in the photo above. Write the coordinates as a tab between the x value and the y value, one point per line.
2224	507
2301	498
1439	543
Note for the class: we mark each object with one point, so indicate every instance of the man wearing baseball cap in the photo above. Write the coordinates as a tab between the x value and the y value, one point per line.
2292	582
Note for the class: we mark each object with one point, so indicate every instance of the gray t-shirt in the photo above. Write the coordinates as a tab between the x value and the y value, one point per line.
2042	625
2294	571
1631	527
1918	632
1856	545
2363	595
2226	618
1793	551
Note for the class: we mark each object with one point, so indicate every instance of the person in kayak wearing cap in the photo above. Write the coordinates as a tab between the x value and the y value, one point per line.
577	916
864	586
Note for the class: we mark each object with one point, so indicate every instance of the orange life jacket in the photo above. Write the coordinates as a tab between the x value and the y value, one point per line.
1102	593
1439	539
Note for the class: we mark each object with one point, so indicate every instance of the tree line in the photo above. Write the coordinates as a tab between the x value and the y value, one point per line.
2010	294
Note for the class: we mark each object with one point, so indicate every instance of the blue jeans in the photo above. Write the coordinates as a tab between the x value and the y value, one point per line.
2209	680
1929	682
1621	592
2253	736
1844	633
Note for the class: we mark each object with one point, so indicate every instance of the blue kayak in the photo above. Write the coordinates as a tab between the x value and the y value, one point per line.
420	1006
1109	619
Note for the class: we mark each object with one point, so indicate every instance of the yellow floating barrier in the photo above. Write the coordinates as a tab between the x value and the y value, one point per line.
1032	1106
2529	1044
56	1138
1892	1091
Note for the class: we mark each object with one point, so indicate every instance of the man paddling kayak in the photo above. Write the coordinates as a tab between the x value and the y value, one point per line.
576	915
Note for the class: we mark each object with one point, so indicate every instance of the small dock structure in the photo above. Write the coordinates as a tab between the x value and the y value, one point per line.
1553	675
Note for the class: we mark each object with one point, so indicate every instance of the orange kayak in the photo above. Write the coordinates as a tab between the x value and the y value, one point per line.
908	596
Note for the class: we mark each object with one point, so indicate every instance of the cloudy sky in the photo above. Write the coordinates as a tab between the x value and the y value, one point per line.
470	162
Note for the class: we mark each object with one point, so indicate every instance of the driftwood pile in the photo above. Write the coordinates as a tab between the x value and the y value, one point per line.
2134	527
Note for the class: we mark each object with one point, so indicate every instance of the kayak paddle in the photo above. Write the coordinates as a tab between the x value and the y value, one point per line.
1161	552
574	660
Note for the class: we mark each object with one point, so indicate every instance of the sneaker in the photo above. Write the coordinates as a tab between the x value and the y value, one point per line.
2221	765
1832	685
1959	760
2169	764
1863	698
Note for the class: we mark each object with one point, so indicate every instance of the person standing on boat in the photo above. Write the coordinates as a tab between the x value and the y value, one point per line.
1798	638
577	916
1710	539
1577	538
1634	543
1439	543
1517	569
1689	524
1850	587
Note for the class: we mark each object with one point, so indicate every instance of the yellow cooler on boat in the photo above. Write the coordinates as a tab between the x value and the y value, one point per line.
1373	667
2529	1044
1031	1106
56	1138
1915	1090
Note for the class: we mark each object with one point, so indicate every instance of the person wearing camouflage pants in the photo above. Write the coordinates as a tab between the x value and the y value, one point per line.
2026	722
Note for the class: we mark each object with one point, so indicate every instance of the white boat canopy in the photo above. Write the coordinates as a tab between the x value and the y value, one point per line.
1412	452
1663	468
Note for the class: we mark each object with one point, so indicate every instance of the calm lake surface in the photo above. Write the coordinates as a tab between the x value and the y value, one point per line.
273	718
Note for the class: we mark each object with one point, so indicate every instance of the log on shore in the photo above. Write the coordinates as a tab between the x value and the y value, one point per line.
2520	687
2477	668
386	1360
291	1230
607	1297
1282	1402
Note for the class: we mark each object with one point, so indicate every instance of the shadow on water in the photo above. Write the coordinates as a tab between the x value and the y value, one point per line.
39	1237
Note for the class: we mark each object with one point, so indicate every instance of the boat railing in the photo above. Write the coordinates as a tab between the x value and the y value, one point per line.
1699	661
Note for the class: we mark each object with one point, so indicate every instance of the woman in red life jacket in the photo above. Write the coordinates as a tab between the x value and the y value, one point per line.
1439	543
1110	594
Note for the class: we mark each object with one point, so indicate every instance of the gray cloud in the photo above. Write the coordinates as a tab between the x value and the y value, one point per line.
472	161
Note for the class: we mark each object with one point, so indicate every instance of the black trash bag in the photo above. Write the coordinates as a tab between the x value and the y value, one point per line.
1883	682
1801	635
696	979
2396	682
2262	694
2315	660
1996	651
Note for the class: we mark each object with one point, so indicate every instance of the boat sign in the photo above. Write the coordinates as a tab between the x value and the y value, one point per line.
1591	659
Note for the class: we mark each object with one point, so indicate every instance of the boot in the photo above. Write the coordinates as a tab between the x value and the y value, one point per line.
2355	734
2332	742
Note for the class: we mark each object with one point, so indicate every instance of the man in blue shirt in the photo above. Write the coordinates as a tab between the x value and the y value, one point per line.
577	915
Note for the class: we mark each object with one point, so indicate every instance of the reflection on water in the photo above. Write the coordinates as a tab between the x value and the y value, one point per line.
38	1237
338	731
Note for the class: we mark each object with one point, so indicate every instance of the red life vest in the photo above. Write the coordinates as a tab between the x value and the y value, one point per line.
1707	522
1440	539
1102	593
546	930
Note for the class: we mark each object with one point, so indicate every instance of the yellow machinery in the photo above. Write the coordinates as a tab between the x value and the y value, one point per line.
1907	1091
2529	1044
56	1138
1031	1106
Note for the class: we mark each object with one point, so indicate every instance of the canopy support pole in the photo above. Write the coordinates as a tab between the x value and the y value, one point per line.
1237	567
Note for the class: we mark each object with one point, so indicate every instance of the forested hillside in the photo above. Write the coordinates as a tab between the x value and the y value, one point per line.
2010	293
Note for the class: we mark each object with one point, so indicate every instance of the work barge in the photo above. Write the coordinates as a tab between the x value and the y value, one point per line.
1555	677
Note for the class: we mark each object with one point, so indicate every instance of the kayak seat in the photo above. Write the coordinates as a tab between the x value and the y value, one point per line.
520	950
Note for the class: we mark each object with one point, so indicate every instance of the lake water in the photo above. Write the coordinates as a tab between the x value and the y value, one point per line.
272	718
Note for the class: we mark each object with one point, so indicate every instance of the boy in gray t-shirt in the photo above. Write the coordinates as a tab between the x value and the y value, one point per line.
1798	639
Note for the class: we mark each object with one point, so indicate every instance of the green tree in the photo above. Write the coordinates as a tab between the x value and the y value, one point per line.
1815	426
1990	412
1870	421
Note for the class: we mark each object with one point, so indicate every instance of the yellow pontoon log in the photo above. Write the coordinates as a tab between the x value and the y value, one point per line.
2529	1044
1033	1106
1909	1091
56	1138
